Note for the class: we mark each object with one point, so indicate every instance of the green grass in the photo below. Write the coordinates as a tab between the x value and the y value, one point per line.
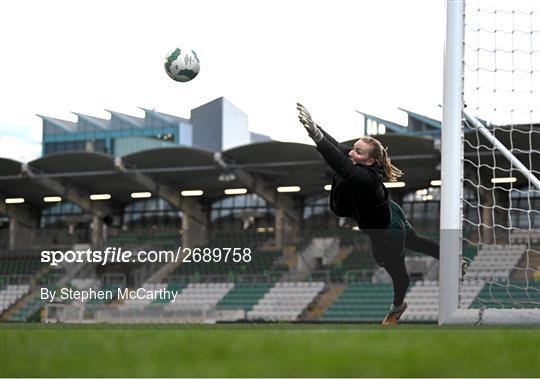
268	350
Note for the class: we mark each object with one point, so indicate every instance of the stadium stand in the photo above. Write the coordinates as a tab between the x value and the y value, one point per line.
246	238
113	288
200	296
494	263
170	287
469	290
531	236
19	263
481	286
161	239
423	301
11	294
354	260
21	272
29	311
84	283
285	301
323	301
360	302
359	263
277	230
508	295
243	296
141	303
261	264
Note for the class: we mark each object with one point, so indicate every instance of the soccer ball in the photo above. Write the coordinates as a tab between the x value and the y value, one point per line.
182	65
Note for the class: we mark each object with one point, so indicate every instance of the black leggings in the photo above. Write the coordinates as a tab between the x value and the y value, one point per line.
388	246
420	244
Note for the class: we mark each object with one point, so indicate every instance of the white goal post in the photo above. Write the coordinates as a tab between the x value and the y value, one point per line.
504	252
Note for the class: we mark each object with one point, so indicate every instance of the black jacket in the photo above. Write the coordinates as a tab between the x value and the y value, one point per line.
357	190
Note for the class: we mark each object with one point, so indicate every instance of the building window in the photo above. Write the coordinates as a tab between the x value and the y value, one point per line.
241	212
152	212
373	127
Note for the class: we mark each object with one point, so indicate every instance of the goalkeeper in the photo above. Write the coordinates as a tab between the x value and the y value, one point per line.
358	192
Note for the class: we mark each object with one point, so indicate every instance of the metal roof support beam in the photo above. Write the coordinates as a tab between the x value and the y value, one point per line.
286	229
21	235
21	213
262	188
288	215
195	222
71	193
187	205
194	232
96	227
22	223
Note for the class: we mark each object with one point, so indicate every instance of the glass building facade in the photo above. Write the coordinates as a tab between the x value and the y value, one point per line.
215	126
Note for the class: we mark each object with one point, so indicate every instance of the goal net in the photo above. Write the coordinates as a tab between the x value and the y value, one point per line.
494	56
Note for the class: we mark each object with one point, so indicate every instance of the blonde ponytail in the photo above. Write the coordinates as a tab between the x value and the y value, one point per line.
380	155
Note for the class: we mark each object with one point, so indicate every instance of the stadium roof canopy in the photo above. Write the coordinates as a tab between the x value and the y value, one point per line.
274	163
184	168
14	184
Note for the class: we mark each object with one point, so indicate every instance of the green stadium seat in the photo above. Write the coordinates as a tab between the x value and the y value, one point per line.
244	296
517	294
360	302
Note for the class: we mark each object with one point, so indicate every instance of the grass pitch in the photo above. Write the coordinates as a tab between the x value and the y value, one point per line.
275	350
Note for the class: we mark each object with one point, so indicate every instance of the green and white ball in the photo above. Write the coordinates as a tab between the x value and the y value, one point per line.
182	64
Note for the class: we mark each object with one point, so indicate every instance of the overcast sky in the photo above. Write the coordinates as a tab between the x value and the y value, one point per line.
334	56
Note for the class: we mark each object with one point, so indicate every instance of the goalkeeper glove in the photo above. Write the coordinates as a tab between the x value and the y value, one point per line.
311	127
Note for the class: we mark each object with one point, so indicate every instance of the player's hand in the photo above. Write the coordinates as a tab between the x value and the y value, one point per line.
311	127
305	118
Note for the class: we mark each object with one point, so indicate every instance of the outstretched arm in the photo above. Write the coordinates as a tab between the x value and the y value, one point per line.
341	164
316	132
340	146
335	154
